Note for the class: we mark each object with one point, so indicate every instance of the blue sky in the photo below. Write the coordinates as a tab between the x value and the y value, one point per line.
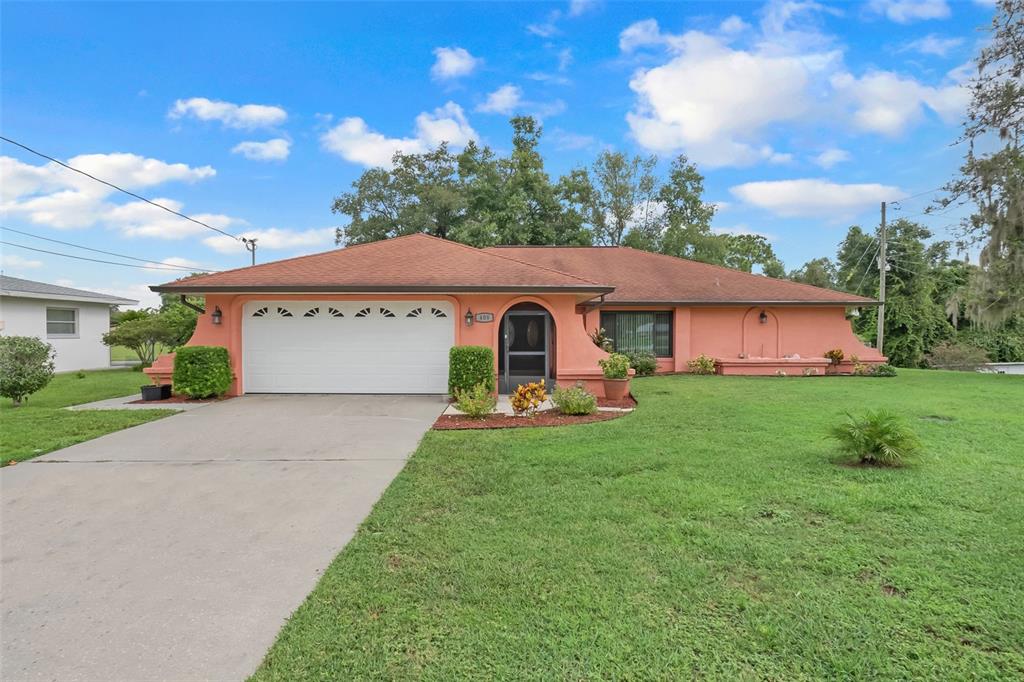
252	117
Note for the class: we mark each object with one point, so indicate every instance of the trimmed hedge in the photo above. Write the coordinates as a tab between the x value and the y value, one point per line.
469	366
202	371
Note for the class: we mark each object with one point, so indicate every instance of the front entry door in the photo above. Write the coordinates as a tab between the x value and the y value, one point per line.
525	343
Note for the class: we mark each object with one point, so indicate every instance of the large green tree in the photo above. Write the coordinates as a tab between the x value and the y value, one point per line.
819	272
992	175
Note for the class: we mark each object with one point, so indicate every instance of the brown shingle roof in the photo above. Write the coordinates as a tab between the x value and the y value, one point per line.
414	263
644	277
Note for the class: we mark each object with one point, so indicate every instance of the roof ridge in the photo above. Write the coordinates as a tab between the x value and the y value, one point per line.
734	271
516	260
294	258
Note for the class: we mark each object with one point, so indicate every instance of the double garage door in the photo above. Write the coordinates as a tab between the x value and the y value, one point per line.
347	346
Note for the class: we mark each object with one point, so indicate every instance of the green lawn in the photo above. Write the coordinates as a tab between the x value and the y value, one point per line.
41	425
710	534
124	353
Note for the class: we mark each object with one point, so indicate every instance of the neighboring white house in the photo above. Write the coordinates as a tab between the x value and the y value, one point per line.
73	321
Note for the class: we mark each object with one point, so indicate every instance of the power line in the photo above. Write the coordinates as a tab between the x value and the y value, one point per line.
96	260
868	270
120	189
108	253
914	196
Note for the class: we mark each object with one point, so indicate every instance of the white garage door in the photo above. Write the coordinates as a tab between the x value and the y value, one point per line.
347	346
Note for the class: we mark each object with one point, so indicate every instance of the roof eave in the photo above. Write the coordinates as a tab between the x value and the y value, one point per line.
67	297
849	304
374	289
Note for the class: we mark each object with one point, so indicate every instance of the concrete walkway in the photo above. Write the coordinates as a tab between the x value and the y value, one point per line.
128	403
175	550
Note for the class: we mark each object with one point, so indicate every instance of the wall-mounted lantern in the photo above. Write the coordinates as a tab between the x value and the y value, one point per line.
217	315
763	317
469	317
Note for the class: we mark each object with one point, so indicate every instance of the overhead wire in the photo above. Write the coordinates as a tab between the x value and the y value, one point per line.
97	260
120	189
108	253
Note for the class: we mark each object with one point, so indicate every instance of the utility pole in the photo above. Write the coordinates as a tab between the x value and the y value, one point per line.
250	245
881	282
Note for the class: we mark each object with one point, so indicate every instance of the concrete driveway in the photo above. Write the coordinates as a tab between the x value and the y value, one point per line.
175	550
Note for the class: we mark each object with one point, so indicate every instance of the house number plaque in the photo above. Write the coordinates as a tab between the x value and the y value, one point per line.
485	317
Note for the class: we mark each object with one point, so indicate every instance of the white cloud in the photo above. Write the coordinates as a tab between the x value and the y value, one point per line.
831	156
885	102
353	140
564	140
52	195
306	241
453	62
16	262
640	34
578	7
547	28
276	149
906	11
814	197
714	101
231	115
135	292
564	58
733	25
139	219
504	100
933	44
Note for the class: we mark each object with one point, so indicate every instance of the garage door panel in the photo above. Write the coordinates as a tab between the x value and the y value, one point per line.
347	347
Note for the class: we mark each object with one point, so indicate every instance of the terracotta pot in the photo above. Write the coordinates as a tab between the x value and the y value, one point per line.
616	389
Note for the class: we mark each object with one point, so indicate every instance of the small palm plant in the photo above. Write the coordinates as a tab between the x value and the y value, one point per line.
880	438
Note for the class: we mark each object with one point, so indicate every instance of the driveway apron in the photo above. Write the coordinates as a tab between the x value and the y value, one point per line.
177	549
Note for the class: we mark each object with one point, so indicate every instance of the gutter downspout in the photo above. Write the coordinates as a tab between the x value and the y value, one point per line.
189	304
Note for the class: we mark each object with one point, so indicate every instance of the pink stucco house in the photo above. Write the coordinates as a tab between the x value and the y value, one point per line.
381	317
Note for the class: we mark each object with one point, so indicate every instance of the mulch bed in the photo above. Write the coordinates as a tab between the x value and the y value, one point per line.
179	399
448	422
628	402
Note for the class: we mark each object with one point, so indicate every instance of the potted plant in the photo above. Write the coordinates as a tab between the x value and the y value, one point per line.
616	376
153	392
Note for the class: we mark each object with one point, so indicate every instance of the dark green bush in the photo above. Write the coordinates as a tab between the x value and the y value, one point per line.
615	366
26	366
469	366
202	371
574	400
644	363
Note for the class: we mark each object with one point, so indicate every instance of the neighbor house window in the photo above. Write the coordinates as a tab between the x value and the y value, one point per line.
643	331
61	322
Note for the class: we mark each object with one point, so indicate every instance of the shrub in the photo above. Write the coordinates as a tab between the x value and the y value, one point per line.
477	402
574	400
644	363
527	398
956	356
615	366
26	365
883	370
835	355
702	364
202	371
469	366
879	438
810	371
780	372
601	340
860	369
80	374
